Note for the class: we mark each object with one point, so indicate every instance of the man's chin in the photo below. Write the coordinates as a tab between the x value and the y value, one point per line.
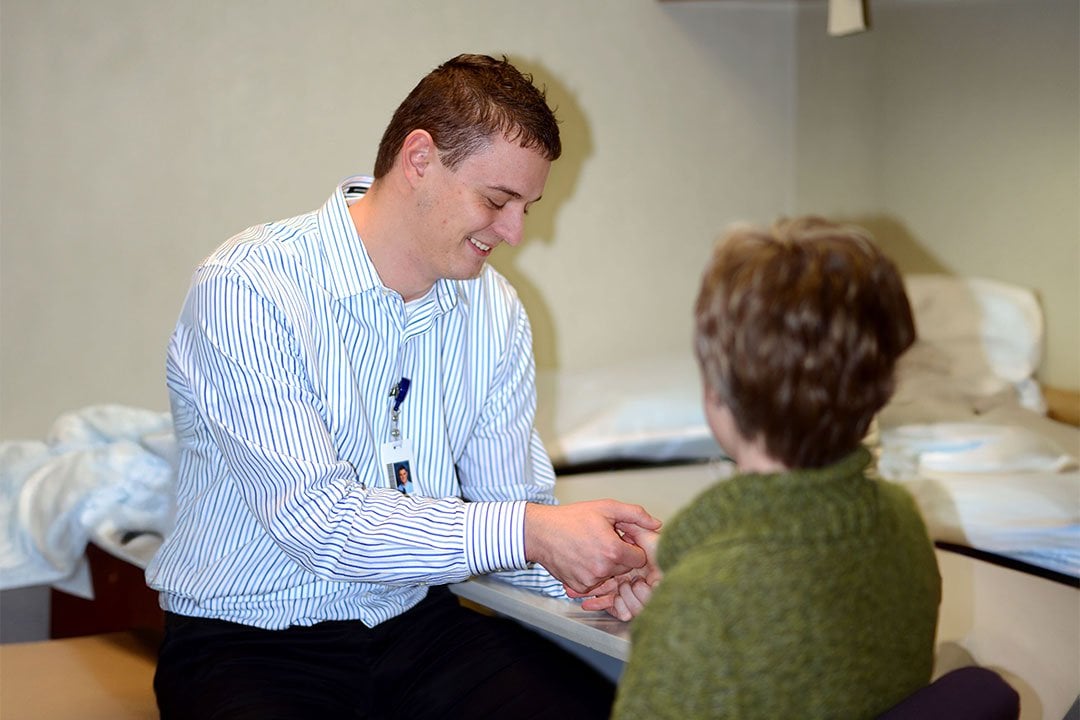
466	273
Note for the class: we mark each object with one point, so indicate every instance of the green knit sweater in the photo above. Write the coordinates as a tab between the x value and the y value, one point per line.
808	594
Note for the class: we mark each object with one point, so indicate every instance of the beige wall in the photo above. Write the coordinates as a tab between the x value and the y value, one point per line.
137	135
952	131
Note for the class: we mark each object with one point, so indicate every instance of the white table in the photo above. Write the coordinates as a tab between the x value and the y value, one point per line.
661	490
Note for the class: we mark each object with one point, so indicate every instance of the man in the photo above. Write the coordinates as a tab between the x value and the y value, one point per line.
313	353
404	484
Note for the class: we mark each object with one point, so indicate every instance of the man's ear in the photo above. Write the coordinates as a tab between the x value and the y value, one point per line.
417	155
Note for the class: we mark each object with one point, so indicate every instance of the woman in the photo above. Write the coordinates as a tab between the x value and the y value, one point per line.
801	587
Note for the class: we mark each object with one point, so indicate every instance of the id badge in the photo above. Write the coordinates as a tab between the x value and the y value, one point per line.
396	460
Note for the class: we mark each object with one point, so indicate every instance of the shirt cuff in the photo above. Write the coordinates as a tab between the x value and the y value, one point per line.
495	536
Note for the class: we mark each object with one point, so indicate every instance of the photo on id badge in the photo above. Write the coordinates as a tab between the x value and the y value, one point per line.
402	477
397	459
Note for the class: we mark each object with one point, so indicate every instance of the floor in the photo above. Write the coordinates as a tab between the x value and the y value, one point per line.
99	677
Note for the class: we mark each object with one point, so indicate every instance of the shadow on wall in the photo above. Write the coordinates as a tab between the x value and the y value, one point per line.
541	225
896	241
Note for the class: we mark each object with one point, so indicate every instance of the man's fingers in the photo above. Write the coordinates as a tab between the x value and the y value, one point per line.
607	586
625	513
571	592
629	557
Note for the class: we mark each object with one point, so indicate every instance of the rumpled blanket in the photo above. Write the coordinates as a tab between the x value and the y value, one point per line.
1003	489
104	474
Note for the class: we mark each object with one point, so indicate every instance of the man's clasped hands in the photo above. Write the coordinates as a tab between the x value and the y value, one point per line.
603	551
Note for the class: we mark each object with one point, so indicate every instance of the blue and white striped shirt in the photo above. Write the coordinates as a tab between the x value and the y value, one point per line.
279	374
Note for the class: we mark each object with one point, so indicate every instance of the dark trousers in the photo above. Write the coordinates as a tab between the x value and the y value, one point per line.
438	660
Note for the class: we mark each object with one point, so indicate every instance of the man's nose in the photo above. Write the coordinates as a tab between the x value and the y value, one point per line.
510	225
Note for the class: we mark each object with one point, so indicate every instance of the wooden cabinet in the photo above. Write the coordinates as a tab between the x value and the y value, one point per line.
122	601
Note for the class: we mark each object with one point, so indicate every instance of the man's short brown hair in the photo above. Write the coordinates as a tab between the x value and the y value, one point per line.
465	103
797	331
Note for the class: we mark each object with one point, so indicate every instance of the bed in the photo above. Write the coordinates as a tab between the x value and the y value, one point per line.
967	432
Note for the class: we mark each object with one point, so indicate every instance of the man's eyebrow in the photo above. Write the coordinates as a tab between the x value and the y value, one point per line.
512	193
503	189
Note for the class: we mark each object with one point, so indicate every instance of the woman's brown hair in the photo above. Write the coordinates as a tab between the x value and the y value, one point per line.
797	331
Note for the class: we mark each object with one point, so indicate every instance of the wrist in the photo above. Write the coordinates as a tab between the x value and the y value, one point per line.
536	515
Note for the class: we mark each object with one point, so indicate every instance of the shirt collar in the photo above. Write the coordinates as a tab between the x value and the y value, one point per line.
348	265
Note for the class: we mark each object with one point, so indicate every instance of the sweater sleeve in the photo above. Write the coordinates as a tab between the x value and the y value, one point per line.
676	670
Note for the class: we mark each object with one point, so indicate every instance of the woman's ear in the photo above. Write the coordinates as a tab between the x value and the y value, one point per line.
712	397
721	422
417	154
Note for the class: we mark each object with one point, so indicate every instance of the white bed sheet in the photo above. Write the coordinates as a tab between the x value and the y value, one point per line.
994	476
104	474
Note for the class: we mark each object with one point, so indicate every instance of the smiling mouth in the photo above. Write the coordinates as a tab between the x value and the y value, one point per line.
479	245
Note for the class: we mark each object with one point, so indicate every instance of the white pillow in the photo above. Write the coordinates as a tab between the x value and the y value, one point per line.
986	328
645	409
